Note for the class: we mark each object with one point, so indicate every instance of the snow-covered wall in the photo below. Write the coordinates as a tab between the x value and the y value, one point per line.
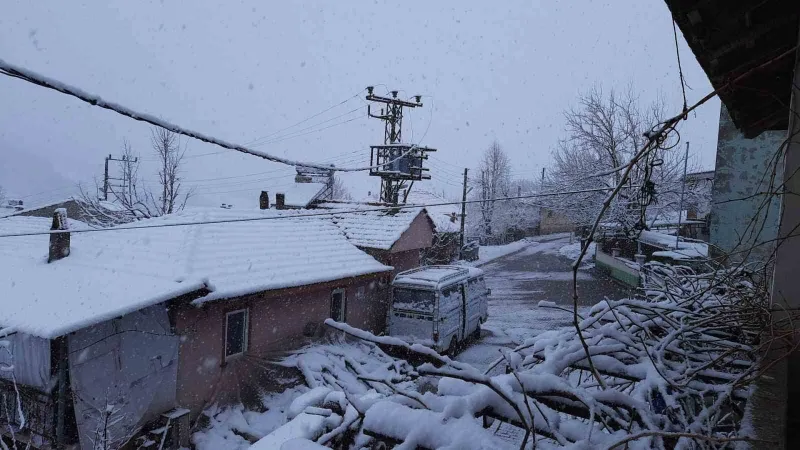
277	320
740	176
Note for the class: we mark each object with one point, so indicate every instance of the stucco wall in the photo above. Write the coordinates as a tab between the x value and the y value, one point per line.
741	165
554	222
276	323
418	235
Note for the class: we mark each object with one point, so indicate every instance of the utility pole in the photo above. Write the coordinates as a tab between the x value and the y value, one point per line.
541	209
105	180
396	162
683	189
126	182
463	216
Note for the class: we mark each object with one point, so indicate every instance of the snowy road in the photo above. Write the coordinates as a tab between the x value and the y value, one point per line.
518	282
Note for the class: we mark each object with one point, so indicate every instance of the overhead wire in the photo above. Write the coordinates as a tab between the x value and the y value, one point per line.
32	77
301	132
307	118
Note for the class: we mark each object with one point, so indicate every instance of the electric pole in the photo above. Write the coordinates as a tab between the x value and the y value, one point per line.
126	182
105	180
463	216
683	190
396	162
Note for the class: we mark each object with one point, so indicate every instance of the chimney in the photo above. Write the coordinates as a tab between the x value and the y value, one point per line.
263	200
280	200
59	242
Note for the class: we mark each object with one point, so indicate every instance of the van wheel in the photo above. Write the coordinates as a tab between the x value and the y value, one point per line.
452	349
477	333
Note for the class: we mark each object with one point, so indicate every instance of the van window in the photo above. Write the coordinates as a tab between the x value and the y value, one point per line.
414	300
476	288
451	298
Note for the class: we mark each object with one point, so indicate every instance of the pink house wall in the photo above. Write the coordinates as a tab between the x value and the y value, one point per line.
276	323
405	254
418	235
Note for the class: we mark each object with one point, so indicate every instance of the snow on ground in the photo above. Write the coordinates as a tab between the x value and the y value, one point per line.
572	251
513	315
228	425
489	253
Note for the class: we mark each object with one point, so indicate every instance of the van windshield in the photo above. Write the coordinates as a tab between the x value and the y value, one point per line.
414	300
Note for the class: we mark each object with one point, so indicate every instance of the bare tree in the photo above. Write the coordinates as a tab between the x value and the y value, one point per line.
2	195
132	200
494	180
170	158
602	133
339	191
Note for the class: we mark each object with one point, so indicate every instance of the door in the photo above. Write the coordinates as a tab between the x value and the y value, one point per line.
451	314
476	303
464	315
338	305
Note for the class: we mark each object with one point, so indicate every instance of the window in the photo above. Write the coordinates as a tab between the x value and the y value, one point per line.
414	300
338	306
236	333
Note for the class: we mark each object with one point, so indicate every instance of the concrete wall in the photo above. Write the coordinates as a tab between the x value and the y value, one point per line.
554	222
741	165
277	320
616	268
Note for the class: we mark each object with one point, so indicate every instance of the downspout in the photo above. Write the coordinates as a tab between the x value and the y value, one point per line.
61	399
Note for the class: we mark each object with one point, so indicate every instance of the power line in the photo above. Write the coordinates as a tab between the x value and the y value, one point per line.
307	118
290	135
296	216
13	71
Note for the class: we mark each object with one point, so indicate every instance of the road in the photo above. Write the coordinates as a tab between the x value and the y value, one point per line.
519	282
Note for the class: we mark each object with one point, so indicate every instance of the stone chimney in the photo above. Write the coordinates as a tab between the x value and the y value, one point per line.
263	200
280	200
59	242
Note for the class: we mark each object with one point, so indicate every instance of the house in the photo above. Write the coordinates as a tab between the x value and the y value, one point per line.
73	207
749	50
700	184
553	221
737	192
447	226
310	186
396	237
164	321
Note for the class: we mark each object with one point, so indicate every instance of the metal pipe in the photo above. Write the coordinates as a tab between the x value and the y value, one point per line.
683	190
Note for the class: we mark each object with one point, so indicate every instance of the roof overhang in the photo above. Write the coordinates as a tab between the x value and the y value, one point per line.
730	37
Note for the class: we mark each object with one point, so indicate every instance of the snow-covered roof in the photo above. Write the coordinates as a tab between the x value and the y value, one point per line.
297	195
111	273
441	215
684	250
372	229
436	276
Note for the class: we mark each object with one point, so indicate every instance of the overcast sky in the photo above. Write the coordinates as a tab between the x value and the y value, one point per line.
246	70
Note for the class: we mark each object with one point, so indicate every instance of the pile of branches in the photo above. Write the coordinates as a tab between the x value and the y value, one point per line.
671	369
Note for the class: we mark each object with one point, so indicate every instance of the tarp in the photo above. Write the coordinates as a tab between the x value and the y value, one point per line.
30	357
123	373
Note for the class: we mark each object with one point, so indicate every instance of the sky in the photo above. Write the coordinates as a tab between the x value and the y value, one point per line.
246	71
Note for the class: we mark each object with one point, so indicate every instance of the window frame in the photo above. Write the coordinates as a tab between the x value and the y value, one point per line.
245	332
342	291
